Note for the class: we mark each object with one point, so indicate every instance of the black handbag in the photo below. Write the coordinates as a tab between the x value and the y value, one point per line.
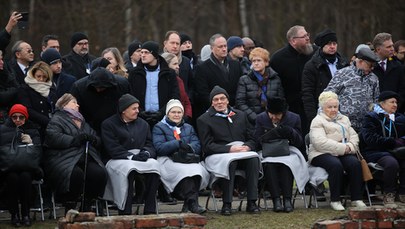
186	158
16	157
398	152
275	148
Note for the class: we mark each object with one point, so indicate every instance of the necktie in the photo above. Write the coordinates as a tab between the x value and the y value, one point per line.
26	70
382	64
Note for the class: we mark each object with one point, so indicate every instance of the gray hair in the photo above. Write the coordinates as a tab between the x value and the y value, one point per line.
292	32
214	37
380	38
17	47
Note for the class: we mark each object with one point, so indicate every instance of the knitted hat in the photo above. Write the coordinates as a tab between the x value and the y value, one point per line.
133	47
64	100
173	103
18	108
387	95
152	47
125	101
99	62
233	42
277	105
205	52
184	37
367	54
50	56
216	91
76	37
324	37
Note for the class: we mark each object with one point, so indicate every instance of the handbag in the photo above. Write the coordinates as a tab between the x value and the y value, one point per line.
398	153
276	148
364	167
186	158
16	157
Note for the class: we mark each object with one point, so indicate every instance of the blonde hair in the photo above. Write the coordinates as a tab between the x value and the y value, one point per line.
120	68
260	52
325	96
43	67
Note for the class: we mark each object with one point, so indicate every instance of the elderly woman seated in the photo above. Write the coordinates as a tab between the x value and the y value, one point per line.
333	146
173	136
384	130
279	171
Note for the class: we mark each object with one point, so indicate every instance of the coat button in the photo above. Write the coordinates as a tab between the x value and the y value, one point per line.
40	102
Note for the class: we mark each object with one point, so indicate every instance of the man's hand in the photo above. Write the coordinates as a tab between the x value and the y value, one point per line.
12	21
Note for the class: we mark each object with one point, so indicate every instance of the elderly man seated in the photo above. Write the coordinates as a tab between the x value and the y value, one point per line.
227	142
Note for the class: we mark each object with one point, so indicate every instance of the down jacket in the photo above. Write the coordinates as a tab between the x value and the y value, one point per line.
247	97
60	157
326	136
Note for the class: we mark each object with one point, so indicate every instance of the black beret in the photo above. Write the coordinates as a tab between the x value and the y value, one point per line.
387	95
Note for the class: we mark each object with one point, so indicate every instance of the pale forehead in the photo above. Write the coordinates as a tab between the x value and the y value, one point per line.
219	96
220	41
25	45
301	31
174	36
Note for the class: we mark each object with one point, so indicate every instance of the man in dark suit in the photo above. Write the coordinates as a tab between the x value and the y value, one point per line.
23	57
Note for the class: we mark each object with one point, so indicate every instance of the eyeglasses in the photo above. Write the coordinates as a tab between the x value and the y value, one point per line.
304	36
18	117
83	43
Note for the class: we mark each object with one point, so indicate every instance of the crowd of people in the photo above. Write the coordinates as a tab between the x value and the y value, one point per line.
115	126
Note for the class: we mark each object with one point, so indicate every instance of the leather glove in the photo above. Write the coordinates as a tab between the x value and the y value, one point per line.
25	138
184	148
92	139
79	140
141	156
285	132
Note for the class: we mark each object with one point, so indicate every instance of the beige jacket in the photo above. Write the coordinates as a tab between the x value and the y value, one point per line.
326	136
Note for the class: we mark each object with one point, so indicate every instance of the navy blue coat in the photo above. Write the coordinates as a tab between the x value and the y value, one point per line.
166	144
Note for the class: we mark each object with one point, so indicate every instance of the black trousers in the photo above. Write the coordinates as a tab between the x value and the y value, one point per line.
279	179
96	179
19	189
152	181
251	168
187	189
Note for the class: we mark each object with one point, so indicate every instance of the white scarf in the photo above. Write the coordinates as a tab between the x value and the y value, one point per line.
42	88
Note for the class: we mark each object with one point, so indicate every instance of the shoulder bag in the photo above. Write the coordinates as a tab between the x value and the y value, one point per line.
186	158
364	167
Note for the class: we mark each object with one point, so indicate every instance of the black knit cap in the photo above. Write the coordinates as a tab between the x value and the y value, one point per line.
125	101
216	91
277	105
99	62
50	56
324	37
152	47
387	95
184	37
133	47
76	37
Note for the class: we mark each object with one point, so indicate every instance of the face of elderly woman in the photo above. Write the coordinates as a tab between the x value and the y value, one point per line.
18	119
331	108
175	114
389	105
72	104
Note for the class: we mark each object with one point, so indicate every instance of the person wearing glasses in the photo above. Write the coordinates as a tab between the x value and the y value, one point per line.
357	87
289	63
18	183
23	57
399	51
78	61
38	94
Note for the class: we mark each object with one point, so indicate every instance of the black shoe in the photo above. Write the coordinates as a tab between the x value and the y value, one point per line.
277	207
226	209
15	220
252	207
26	221
166	198
288	205
194	207
184	209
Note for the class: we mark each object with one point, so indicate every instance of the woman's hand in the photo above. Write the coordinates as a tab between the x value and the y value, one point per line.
347	150
235	149
25	138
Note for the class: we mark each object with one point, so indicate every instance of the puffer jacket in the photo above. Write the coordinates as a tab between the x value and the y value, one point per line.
247	97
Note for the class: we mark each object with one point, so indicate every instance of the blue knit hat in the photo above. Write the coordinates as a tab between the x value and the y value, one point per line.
234	41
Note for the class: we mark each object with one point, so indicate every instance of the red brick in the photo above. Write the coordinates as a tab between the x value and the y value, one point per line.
174	222
367	213
401	213
386	213
85	217
384	224
194	219
328	224
150	222
368	224
62	223
348	224
96	225
399	223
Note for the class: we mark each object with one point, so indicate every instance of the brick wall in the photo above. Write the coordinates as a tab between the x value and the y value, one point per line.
371	217
87	220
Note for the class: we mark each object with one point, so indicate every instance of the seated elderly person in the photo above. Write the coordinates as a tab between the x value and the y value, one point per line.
227	142
384	130
274	124
333	145
173	136
128	140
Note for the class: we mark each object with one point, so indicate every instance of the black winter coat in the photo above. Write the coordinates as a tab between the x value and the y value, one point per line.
60	157
248	98
77	65
315	78
168	87
8	93
63	82
216	132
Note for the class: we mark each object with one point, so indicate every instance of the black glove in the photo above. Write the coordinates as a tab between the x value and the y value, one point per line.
285	132
92	139
38	173
141	156
79	140
184	148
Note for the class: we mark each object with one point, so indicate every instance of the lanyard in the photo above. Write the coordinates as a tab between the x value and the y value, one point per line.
343	131
389	129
